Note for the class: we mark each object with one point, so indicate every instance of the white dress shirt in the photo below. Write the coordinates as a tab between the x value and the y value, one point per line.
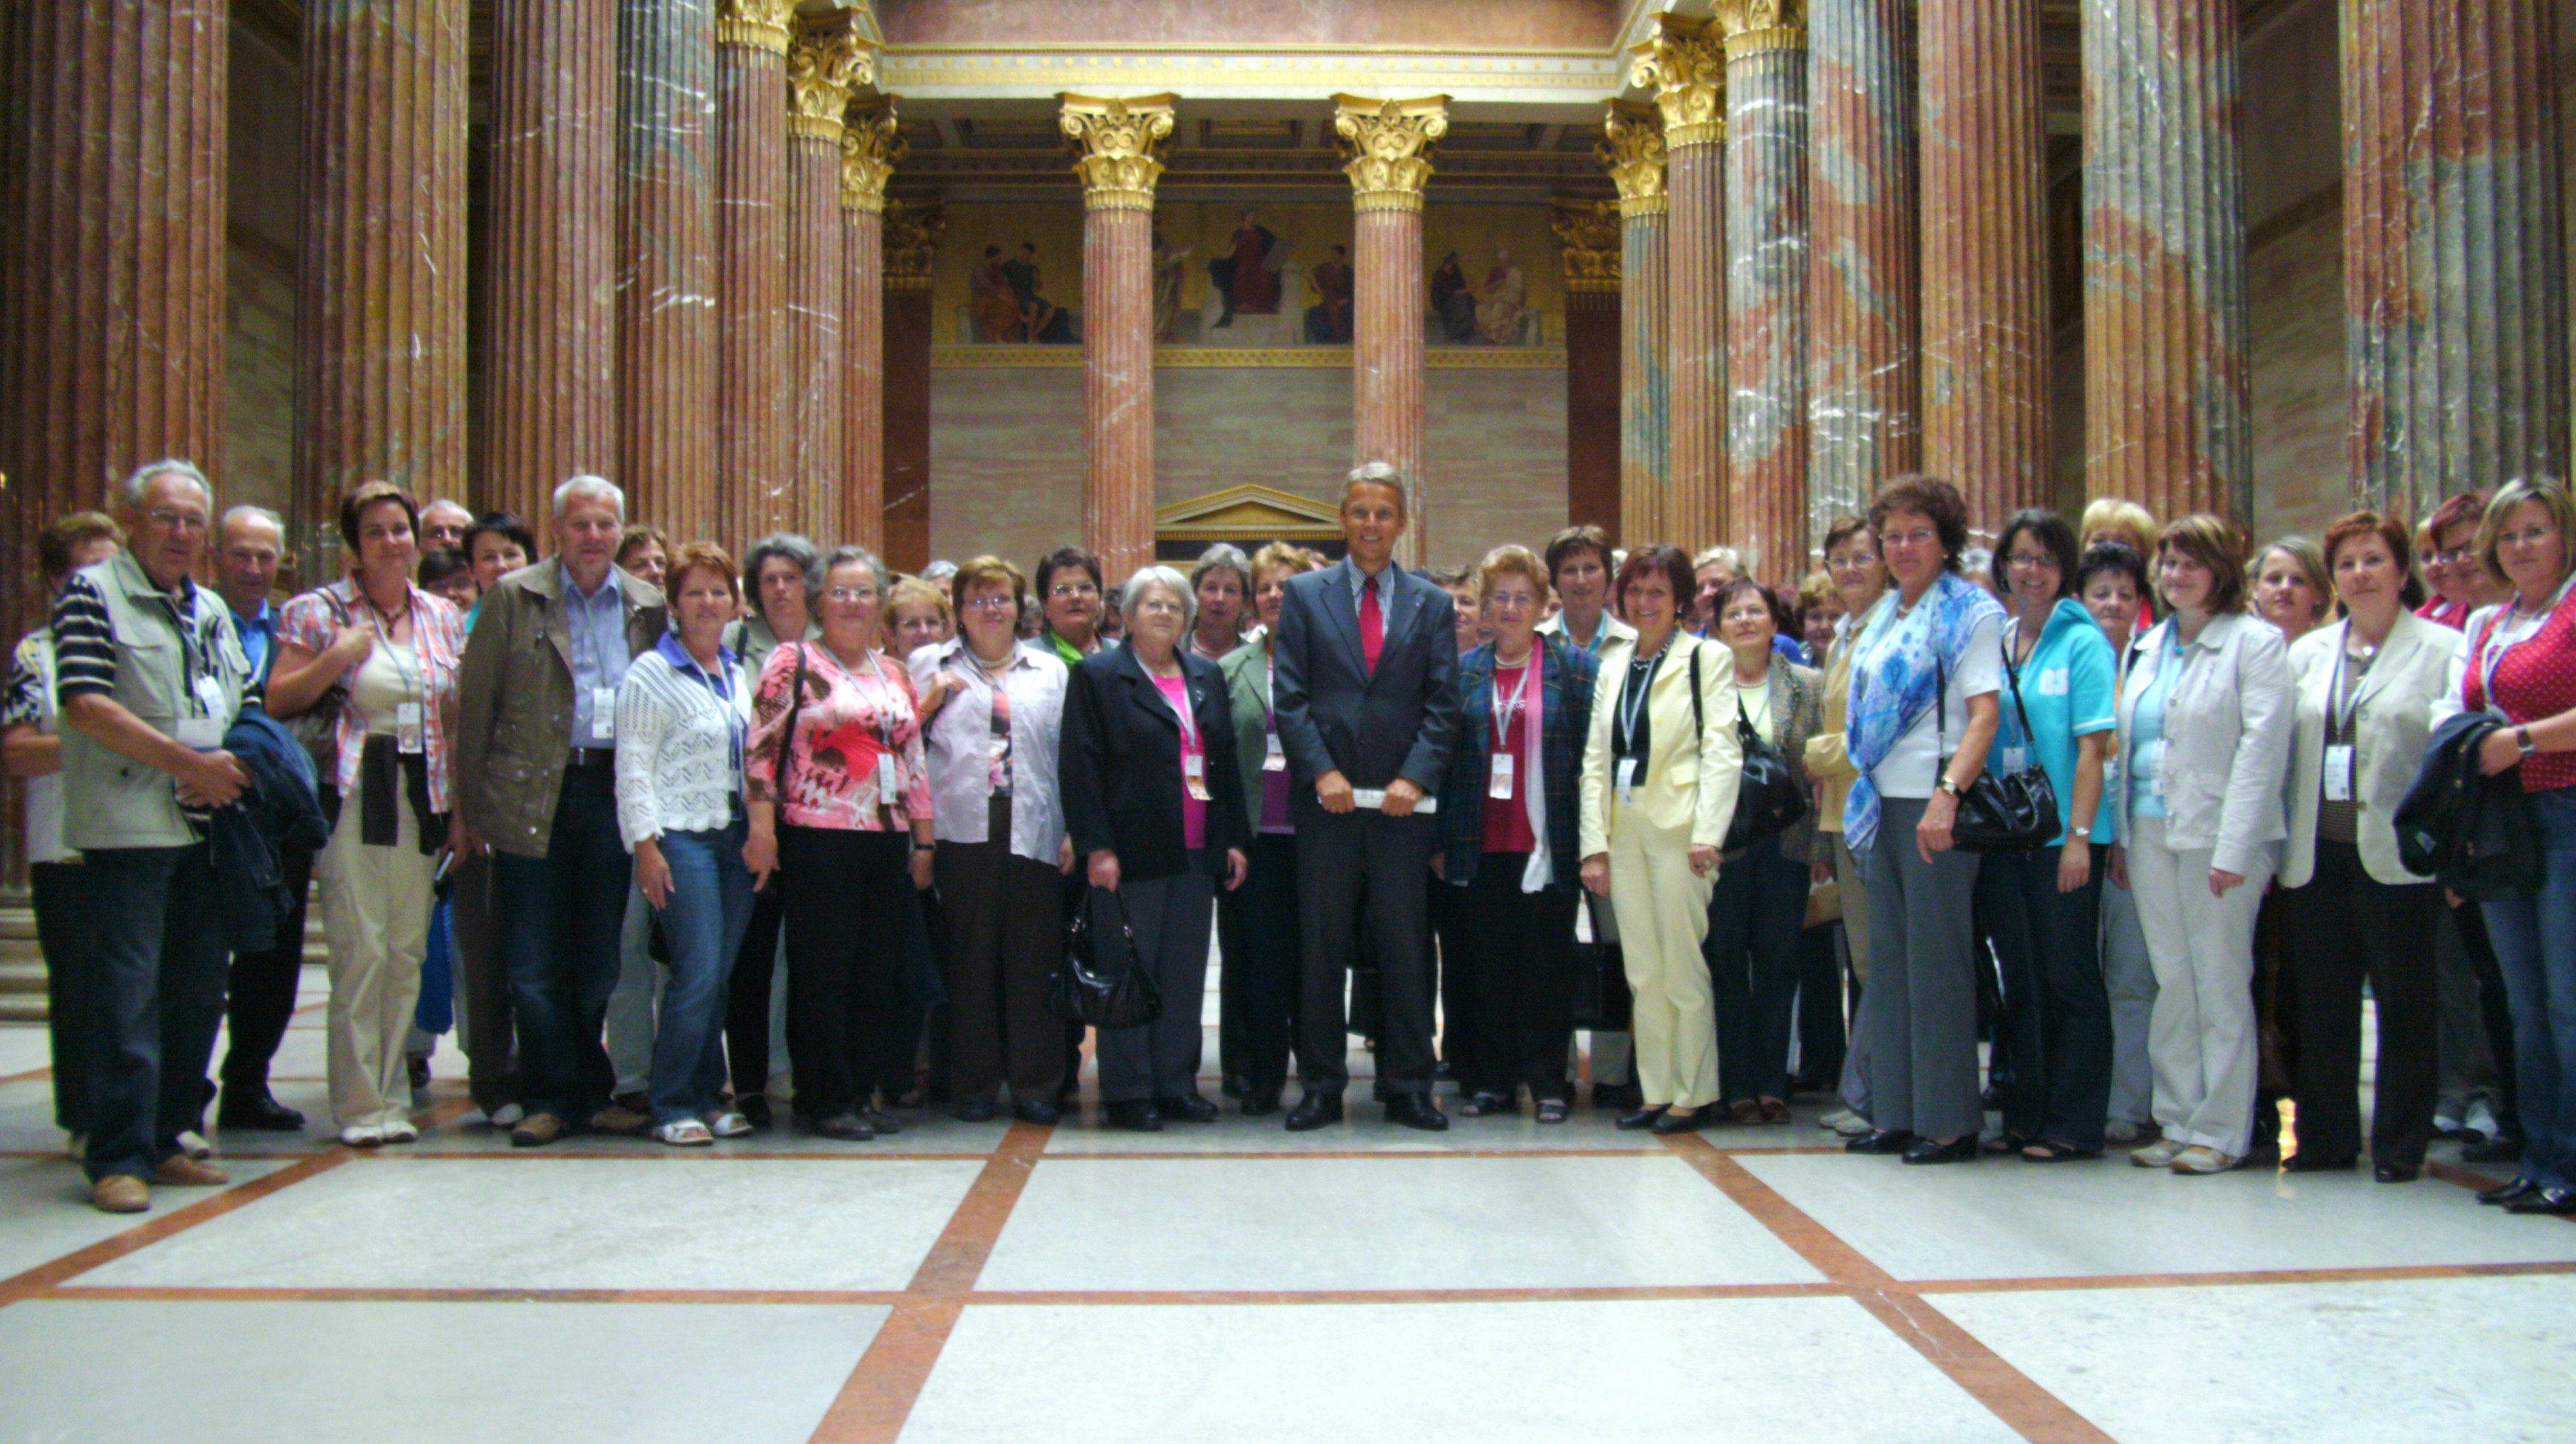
959	745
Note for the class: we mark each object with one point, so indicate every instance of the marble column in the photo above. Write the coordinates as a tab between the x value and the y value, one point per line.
380	301
111	264
1118	148
1632	146
1685	65
1766	287
665	305
825	62
549	326
1864	256
1589	236
2167	394
1984	144
1387	147
912	229
2455	286
753	494
870	150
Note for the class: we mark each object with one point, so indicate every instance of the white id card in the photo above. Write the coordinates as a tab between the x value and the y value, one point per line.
407	729
1500	787
1194	775
885	779
2338	777
603	714
1630	770
1276	758
210	695
201	734
2016	759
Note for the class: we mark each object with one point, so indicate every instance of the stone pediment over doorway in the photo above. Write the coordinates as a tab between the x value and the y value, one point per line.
1248	516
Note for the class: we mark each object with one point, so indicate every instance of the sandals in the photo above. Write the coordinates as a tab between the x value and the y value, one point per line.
726	1123
1551	1110
1484	1104
684	1133
2044	1151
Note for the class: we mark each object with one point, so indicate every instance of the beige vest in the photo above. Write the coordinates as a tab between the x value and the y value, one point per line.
110	800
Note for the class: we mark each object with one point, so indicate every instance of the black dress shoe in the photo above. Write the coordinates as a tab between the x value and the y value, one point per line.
1315	1110
1186	1108
976	1110
1233	1085
2307	1162
1642	1118
2503	1148
1885	1140
1260	1102
1958	1150
1136	1115
755	1110
1416	1110
2396	1172
878	1120
1680	1120
260	1114
1609	1097
2513	1192
1036	1110
847	1127
2559	1201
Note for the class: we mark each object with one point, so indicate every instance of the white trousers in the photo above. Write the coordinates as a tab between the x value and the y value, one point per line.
2201	1039
1663	918
375	916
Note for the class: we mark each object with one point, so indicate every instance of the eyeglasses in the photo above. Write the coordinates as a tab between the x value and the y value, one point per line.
2452	557
1842	561
1159	606
852	594
178	520
2530	536
1073	589
2030	561
1511	601
1911	539
991	604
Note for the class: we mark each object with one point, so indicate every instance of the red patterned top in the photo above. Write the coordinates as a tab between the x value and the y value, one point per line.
2535	679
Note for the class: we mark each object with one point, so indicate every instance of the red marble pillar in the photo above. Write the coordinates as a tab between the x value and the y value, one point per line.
1766	287
549	326
1685	65
380	304
2455	283
2167	393
111	263
869	150
912	232
1864	257
753	495
665	306
1985	257
1118	146
1590	234
823	65
1632	147
1388	146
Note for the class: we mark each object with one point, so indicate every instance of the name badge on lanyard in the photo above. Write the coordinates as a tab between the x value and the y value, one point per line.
2016	759
603	714
2338	778
206	733
210	696
1500	787
1631	770
407	727
1194	775
885	779
1274	757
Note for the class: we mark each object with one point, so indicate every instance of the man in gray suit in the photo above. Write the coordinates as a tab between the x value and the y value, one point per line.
1367	703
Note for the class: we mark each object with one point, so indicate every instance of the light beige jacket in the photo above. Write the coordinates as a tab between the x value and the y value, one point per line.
1691	772
2393	722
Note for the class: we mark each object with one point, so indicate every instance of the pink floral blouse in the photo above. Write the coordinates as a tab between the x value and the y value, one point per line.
849	720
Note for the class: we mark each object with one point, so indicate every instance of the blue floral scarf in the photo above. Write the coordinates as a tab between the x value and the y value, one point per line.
1894	680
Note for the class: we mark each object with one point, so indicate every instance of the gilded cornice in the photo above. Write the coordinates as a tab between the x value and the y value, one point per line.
1757	27
870	150
755	24
1120	144
1685	65
1386	147
826	61
912	231
1632	149
1589	232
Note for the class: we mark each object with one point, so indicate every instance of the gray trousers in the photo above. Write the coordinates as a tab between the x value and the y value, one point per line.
2468	1064
1921	1001
2130	978
1171	917
1854	1087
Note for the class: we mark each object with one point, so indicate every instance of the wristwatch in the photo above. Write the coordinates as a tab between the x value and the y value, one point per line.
2522	738
1946	785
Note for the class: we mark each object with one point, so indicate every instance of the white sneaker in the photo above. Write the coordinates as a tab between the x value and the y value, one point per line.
2200	1158
362	1135
2159	1154
506	1116
2481	1125
1846	1123
2447	1123
401	1131
194	1144
2121	1131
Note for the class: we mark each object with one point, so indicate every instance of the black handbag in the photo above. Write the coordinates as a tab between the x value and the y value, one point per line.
1080	992
2009	813
1768	799
1601	1000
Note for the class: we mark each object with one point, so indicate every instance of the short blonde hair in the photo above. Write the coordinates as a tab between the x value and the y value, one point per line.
1280	556
1510	559
914	592
2112	514
2312	561
2552	496
1818	590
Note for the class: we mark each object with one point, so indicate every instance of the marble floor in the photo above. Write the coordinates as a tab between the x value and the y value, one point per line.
1499	1282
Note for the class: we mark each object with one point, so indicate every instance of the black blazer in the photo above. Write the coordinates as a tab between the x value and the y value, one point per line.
1335	714
1118	764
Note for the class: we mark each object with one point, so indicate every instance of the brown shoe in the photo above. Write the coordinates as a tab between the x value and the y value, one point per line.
1744	1110
180	1171
120	1193
618	1118
536	1131
1774	1110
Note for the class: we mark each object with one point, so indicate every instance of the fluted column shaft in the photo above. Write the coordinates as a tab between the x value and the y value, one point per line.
1118	144
665	307
112	277
1686	67
1985	256
1864	257
1632	147
1388	145
911	231
1590	234
825	61
380	301
2455	286
752	488
869	149
1766	291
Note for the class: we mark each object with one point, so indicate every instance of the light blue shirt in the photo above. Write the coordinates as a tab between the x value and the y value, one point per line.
2147	731
2069	688
1385	586
256	632
598	635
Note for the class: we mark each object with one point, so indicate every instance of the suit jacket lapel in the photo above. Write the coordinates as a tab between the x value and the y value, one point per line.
1345	615
1149	699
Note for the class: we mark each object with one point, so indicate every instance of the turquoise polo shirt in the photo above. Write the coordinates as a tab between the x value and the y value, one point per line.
2070	688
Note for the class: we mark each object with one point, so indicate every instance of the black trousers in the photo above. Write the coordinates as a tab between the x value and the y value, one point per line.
1004	939
747	993
1820	1007
2057	1009
1341	860
1522	985
1267	961
1755	914
1462	1043
66	934
1233	1045
261	997
2342	926
845	890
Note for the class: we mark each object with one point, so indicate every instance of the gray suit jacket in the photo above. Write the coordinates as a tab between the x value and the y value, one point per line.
1336	714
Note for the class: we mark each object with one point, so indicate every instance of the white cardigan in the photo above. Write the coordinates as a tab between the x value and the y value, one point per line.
676	771
2394	721
2227	739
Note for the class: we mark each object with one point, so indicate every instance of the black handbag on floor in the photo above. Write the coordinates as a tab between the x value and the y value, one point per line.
1768	799
2010	813
1080	992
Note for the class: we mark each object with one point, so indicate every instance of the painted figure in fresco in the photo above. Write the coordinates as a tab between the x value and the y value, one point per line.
1328	322
1042	318
1453	300
1502	302
1167	287
1245	280
990	302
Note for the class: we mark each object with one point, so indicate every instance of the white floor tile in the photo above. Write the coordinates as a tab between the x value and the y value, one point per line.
1363	1129
1540	1371
430	1372
24	1046
1380	1223
45	1202
2398	1359
573	1223
2000	1218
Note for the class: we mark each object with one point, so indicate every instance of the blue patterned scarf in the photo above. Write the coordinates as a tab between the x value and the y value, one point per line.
1896	684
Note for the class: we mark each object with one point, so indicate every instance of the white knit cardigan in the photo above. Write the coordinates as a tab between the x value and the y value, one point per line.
675	766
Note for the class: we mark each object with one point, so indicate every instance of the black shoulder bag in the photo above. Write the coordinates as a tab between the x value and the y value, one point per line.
1996	814
1768	799
1080	992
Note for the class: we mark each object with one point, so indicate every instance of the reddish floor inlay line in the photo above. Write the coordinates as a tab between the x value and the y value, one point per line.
155	1228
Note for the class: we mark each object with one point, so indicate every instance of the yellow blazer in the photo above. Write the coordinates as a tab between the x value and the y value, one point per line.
1691	773
1827	763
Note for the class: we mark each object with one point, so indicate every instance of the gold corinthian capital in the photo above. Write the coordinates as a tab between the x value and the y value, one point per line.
826	62
912	231
1589	233
1118	145
1755	26
755	24
1386	148
1632	149
1685	65
870	150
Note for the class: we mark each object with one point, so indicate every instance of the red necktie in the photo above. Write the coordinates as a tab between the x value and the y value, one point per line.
1372	625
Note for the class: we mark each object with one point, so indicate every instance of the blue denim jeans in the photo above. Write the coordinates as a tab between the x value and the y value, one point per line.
558	925
703	924
2535	945
156	981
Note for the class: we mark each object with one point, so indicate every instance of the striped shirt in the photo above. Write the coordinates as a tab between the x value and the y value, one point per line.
85	649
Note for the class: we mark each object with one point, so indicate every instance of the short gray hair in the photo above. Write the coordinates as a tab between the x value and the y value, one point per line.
255	513
139	480
818	576
450	504
1727	557
939	571
1377	473
786	545
1220	557
1145	577
590	486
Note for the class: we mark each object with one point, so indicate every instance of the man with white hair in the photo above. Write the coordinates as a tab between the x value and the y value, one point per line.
443	523
536	747
150	674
